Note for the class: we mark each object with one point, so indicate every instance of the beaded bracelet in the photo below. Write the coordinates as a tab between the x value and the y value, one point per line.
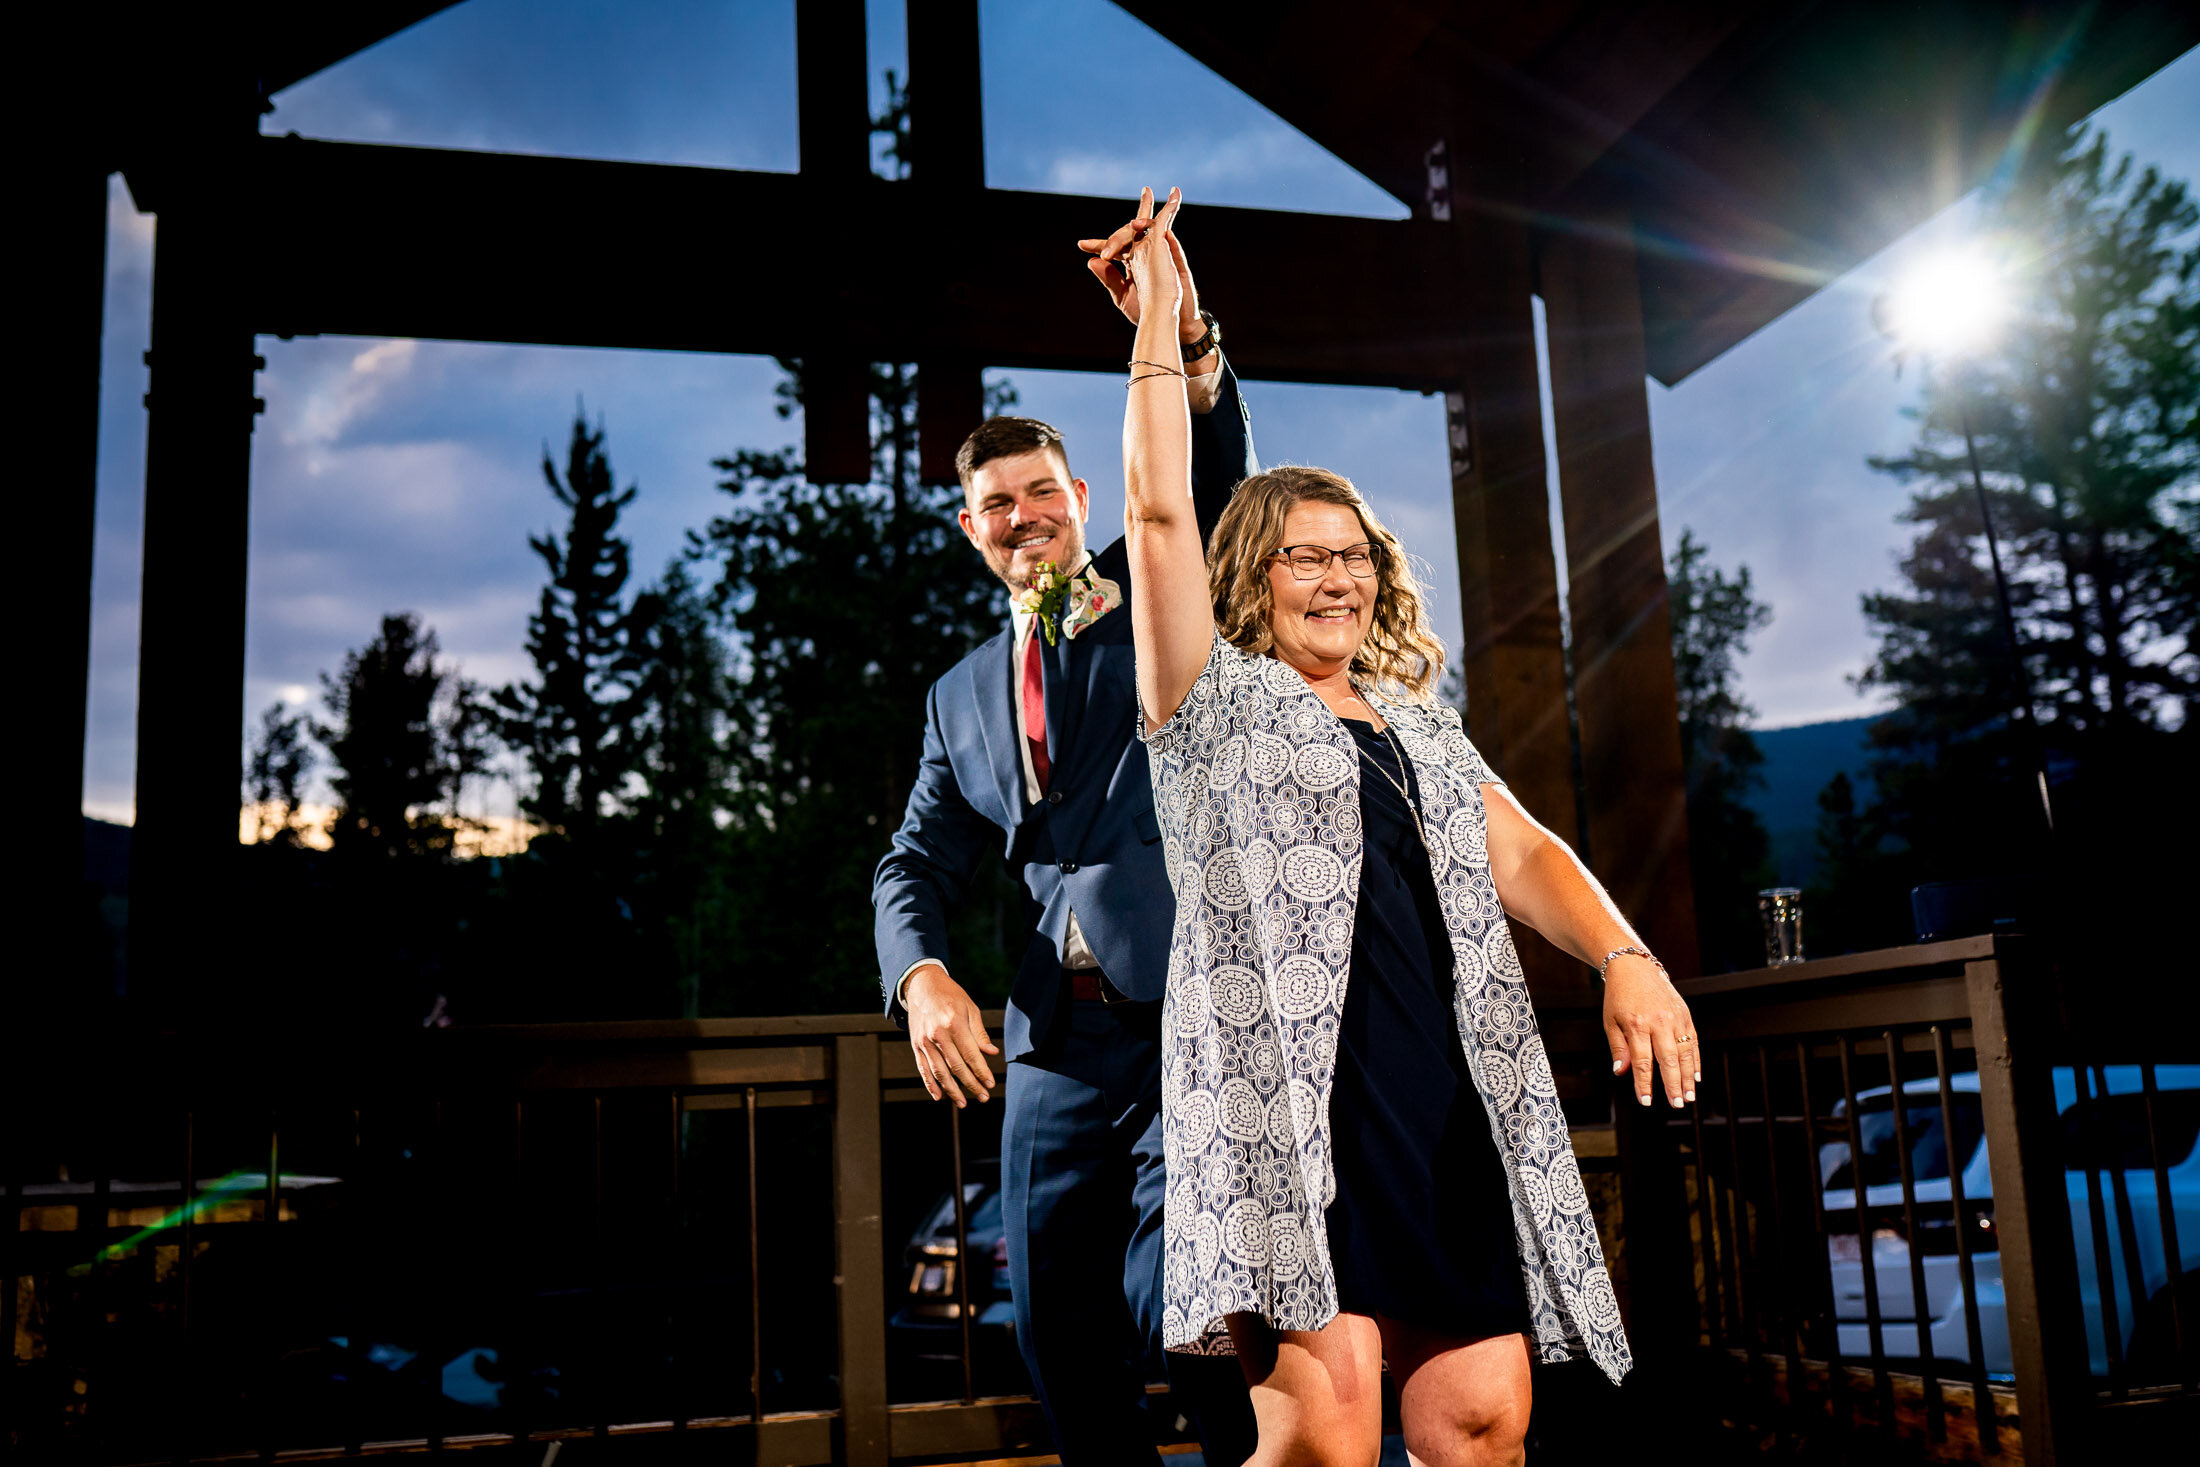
1625	952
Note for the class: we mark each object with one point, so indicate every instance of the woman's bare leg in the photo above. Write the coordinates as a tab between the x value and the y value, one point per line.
1463	1405
1317	1394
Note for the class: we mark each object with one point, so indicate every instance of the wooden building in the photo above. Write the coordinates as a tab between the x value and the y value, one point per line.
1667	175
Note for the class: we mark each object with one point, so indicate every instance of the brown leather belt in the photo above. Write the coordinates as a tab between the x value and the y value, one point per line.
1087	984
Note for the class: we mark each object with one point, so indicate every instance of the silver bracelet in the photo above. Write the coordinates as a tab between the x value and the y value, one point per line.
1625	952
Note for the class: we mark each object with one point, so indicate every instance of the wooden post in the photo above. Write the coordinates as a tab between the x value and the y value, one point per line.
860	1256
833	103
1512	661
1636	815
67	193
947	146
198	463
834	112
2013	1026
950	402
1615	563
946	106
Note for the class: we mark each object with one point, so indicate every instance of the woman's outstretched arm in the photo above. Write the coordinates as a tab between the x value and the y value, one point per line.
1543	883
1172	620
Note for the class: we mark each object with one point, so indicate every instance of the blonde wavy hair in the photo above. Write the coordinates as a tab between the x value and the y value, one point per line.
1400	656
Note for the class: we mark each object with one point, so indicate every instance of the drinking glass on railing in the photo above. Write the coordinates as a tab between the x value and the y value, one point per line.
1781	908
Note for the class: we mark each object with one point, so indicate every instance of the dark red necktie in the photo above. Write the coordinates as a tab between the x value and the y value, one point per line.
1035	703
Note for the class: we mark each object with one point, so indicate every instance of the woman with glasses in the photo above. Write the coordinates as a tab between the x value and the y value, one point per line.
1366	1157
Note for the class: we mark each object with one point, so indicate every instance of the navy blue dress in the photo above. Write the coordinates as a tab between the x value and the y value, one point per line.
1422	1226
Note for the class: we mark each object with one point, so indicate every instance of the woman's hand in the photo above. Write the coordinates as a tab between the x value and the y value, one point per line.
1156	288
1646	1020
1110	267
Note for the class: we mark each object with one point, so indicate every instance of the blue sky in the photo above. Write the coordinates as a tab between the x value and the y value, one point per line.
394	475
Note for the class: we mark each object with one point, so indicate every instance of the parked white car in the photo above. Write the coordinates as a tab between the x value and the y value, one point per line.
2121	1133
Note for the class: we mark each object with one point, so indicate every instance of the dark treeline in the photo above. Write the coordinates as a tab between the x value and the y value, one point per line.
707	765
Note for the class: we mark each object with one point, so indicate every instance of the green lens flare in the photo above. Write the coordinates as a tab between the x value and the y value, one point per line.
220	1190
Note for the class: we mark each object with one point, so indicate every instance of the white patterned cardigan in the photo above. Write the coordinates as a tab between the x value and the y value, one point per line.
1257	791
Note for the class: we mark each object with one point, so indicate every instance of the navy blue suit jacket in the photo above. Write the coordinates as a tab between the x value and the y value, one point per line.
1092	844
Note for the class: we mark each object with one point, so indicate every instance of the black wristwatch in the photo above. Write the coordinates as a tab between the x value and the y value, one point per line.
1212	341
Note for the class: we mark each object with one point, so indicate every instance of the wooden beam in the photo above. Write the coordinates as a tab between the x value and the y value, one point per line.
295	41
833	91
950	402
946	99
859	1260
834	111
836	419
1622	637
1512	661
378	241
198	457
67	191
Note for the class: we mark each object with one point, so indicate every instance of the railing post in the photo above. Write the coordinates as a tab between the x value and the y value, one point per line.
1661	1297
2013	1027
860	1262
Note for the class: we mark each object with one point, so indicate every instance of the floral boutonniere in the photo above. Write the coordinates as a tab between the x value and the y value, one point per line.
1086	596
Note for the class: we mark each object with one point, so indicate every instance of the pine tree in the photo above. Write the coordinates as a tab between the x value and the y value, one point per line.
683	699
570	722
405	738
847	602
275	775
2087	424
2086	419
1713	615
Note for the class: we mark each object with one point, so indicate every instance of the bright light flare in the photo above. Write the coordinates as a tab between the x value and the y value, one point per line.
1949	304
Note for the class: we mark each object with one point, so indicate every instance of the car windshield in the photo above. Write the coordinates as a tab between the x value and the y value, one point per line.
2111	1132
1929	1148
984	1203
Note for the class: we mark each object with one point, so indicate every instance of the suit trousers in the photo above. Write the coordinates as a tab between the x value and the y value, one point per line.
1082	1182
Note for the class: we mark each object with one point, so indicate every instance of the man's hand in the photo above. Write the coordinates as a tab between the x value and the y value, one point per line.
948	1036
1645	1021
1110	259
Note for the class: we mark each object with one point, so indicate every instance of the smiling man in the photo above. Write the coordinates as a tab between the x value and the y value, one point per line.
1029	750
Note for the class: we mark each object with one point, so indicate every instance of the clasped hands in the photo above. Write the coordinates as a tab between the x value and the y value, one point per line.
1118	263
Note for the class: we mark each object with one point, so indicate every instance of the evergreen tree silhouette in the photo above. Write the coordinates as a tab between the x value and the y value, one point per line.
846	602
570	722
682	700
276	771
1713	615
405	735
2086	417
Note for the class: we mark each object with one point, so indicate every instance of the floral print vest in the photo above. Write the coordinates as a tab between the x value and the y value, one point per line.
1256	787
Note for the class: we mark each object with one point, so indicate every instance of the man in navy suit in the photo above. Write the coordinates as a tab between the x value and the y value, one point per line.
1030	749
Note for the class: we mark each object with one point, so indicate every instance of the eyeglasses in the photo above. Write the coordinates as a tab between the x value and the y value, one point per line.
1311	562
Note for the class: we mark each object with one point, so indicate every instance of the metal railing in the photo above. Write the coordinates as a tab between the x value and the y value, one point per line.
623	1232
490	1236
1907	1220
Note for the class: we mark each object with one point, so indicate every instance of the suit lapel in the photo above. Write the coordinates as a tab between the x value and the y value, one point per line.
996	701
